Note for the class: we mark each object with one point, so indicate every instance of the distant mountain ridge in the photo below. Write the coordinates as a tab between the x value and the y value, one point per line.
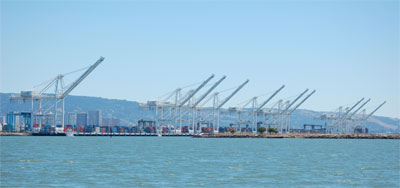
129	112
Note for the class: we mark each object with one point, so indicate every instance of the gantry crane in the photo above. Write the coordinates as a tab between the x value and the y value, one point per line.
340	122
298	105
220	105
363	119
358	109
195	91
194	106
372	113
294	101
272	96
261	106
190	96
60	94
350	109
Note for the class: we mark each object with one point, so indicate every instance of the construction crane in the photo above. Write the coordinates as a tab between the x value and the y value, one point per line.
272	96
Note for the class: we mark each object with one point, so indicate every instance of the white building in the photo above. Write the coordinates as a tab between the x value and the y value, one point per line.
70	118
94	118
81	119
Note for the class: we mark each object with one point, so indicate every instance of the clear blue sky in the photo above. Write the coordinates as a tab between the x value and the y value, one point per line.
345	50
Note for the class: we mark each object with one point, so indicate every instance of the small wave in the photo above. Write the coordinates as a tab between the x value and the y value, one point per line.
29	160
234	168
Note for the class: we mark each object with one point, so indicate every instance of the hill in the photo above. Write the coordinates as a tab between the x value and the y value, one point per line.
129	112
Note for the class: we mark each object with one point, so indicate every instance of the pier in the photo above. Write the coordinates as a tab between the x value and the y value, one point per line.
132	134
309	136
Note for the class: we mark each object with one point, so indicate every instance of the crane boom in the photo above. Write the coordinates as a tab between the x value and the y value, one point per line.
232	94
297	106
272	96
195	91
291	104
209	91
81	78
348	111
376	109
248	102
359	108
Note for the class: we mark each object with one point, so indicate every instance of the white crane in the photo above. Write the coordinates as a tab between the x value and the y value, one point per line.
59	94
195	91
231	95
202	98
272	96
376	109
220	105
298	105
189	96
291	104
81	78
340	120
208	91
358	109
350	109
72	87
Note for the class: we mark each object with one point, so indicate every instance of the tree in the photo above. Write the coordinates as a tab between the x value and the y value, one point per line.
272	130
262	130
232	130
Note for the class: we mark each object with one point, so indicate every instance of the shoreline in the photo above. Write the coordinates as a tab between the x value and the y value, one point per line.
303	136
252	135
15	134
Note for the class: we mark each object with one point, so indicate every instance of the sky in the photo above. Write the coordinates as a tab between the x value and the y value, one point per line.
345	50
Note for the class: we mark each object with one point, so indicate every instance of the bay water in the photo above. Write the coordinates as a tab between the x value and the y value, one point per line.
29	161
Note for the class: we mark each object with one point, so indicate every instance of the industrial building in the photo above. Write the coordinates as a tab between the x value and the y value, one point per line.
95	118
81	119
70	118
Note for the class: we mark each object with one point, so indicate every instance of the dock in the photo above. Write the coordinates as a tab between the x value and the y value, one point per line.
307	136
133	134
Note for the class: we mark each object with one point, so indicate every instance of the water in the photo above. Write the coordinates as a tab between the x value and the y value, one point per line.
194	162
